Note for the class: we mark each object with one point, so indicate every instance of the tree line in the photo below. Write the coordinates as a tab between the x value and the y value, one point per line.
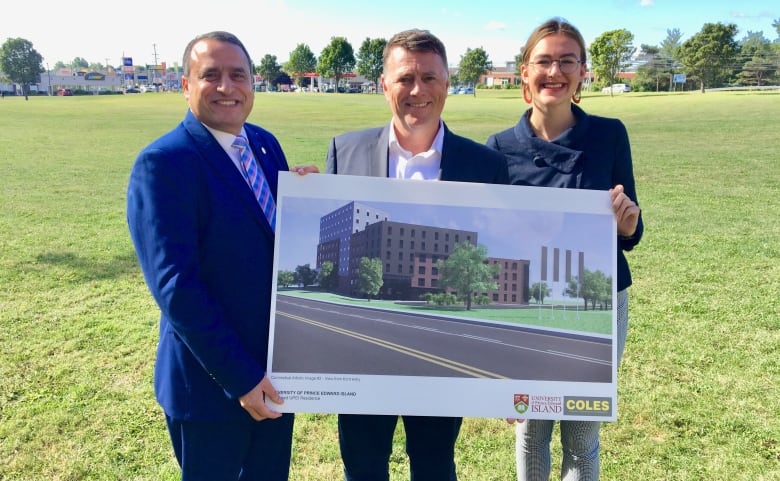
712	58
462	274
595	288
338	58
21	64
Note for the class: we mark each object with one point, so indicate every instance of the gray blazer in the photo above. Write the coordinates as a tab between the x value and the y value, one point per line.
365	152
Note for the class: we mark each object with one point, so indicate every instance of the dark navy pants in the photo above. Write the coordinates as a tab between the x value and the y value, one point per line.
233	450
367	441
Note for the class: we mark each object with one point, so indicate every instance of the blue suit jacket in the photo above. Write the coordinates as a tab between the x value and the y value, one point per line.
206	252
365	152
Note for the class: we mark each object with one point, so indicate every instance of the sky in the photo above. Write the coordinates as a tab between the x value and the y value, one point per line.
154	32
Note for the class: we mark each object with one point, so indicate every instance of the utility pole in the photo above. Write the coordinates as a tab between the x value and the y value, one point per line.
154	74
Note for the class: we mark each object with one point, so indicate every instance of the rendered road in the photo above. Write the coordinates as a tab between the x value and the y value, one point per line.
318	337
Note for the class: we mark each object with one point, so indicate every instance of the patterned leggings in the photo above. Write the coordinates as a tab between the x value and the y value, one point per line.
579	439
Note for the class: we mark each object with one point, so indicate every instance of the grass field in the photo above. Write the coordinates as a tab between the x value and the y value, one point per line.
699	387
572	318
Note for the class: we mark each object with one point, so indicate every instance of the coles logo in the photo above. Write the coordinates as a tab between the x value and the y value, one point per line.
587	406
521	403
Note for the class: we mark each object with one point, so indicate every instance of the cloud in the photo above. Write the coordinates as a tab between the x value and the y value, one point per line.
494	25
646	3
759	16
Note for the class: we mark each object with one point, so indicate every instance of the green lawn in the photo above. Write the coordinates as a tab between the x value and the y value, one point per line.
700	380
569	317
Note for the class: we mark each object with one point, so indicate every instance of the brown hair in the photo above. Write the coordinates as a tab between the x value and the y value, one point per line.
416	40
553	26
219	36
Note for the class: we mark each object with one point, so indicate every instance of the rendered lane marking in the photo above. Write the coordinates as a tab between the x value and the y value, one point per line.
438	331
432	358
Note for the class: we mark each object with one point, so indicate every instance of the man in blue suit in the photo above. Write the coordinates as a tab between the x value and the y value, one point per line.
205	247
416	144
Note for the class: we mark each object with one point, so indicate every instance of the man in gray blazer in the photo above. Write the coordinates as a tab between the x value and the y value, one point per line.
415	145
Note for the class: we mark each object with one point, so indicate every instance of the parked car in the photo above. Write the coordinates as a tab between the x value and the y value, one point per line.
132	90
148	88
616	89
65	92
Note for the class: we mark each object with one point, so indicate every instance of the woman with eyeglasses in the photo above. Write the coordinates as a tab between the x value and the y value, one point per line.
557	144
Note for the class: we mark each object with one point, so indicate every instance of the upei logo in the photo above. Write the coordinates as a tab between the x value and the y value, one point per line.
521	403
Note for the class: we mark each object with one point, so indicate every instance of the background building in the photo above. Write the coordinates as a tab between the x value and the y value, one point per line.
409	254
336	230
556	272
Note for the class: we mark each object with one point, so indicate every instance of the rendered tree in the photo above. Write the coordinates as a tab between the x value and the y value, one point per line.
370	62
269	69
21	63
709	52
328	278
540	290
301	61
305	275
611	54
466	271
473	64
369	279
336	59
595	287
285	278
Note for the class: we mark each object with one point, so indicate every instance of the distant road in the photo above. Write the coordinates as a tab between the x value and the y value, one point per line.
318	337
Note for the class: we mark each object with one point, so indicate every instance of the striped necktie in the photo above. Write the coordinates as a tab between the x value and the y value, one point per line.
254	176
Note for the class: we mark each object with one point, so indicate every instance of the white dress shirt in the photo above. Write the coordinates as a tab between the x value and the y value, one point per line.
226	140
423	166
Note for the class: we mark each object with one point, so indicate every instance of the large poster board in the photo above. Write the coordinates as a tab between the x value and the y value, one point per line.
536	342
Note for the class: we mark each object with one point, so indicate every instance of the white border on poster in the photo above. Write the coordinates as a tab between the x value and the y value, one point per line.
440	396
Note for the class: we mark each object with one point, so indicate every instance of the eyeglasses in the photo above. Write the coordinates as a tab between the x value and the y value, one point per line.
566	65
